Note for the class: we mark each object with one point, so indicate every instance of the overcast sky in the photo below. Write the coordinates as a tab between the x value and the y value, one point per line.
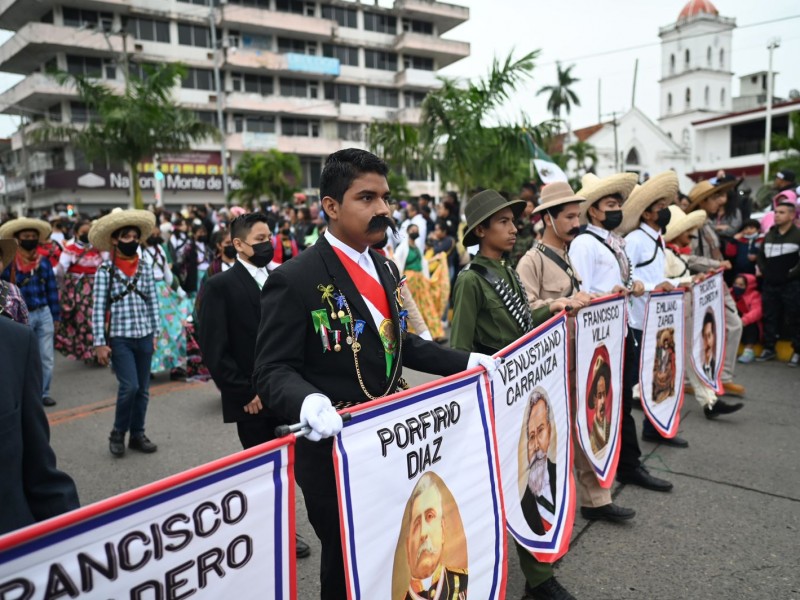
572	30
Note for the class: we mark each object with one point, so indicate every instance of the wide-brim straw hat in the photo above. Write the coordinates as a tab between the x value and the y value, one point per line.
8	249
482	206
680	222
662	186
100	233
705	189
14	226
556	194
593	188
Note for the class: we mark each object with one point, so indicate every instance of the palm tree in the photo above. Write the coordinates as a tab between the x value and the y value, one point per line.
584	155
561	94
271	174
132	126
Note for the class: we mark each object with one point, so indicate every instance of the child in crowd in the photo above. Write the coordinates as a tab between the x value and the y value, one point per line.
742	251
748	304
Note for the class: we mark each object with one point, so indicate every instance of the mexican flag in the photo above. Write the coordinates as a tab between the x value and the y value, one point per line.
546	169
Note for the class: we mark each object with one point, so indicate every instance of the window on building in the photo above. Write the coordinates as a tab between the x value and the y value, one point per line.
669	102
722	58
380	23
47	17
297	7
198	79
686	58
252	3
201	2
708	56
299	127
142	69
383	97
80	113
671	64
347	55
707	96
252	84
194	35
299	88
151	30
80	17
633	157
310	169
413	99
254	123
91	66
417	26
688	98
342	92
207	116
352	132
377	59
54	113
722	97
345	17
286	45
417	62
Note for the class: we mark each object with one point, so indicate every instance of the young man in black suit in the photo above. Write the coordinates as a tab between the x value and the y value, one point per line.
32	488
228	321
331	337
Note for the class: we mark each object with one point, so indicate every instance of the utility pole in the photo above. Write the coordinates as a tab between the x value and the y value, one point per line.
633	92
25	168
773	44
218	91
613	116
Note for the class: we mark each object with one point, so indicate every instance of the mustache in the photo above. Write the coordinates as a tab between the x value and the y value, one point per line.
381	223
537	457
426	546
574	231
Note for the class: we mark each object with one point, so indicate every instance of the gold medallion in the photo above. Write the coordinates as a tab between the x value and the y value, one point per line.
333	315
349	340
341	314
356	347
337	348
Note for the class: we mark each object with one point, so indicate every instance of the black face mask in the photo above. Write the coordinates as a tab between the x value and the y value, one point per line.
128	248
230	252
202	239
84	238
155	240
414	235
612	220
663	218
262	254
28	245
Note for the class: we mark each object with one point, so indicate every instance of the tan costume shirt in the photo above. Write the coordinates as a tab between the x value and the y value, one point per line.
543	279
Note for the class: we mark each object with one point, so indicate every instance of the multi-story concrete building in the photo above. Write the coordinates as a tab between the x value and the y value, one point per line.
303	76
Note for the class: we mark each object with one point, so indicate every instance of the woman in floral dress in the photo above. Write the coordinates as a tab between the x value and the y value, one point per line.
76	269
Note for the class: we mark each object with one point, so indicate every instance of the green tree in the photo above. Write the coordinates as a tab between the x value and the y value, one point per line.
790	145
132	126
271	174
584	156
561	94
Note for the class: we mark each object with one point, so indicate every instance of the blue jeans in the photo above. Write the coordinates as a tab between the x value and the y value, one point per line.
41	321
130	359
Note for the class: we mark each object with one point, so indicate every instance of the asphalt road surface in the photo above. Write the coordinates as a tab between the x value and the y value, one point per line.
729	529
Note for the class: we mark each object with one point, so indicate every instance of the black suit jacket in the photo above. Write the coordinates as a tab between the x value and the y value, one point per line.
291	364
228	323
530	508
31	487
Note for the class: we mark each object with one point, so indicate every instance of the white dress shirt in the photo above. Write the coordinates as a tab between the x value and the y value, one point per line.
258	273
364	260
641	245
596	262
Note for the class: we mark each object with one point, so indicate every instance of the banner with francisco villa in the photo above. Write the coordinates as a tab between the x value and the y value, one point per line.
534	440
419	495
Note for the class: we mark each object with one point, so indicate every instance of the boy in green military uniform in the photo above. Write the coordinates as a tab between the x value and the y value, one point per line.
490	311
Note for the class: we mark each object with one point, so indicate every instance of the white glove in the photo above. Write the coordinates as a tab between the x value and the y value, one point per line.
426	335
487	362
318	413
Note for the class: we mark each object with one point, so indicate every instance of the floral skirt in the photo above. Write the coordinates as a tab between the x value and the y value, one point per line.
431	297
170	350
73	334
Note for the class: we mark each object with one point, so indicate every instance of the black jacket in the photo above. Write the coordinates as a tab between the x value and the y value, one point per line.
228	322
291	364
31	487
530	507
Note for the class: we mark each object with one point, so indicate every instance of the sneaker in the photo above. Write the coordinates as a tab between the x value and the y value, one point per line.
766	354
747	356
794	361
550	589
116	442
142	444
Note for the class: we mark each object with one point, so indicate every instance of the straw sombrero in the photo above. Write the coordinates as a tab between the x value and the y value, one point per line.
100	233
593	188
661	186
555	194
8	249
11	228
680	222
705	189
482	206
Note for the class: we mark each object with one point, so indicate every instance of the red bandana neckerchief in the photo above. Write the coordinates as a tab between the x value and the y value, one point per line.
679	250
27	266
369	288
129	266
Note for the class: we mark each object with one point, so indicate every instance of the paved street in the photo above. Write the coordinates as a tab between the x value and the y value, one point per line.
728	530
